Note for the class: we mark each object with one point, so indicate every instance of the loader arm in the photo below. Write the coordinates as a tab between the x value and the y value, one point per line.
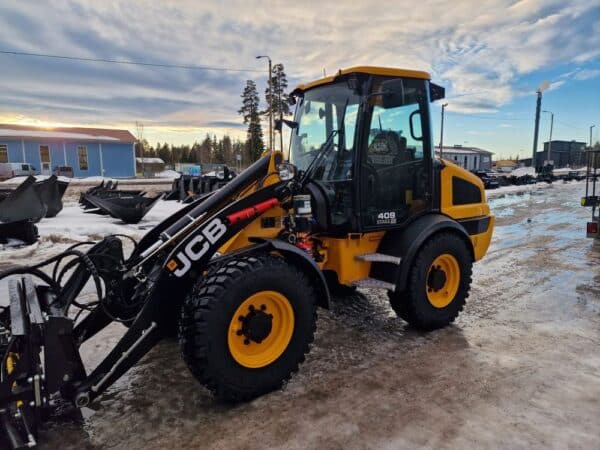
170	257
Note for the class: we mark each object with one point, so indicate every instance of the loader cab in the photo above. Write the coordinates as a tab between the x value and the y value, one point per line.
367	132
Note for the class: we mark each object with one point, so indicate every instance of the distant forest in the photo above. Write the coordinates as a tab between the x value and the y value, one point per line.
210	150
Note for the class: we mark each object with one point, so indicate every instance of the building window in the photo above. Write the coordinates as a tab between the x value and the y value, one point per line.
466	162
475	162
83	157
3	154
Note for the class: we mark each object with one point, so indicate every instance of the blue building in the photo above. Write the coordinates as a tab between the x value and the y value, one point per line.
89	151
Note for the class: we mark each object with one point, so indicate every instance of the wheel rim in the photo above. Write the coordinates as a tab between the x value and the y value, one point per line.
443	279
261	329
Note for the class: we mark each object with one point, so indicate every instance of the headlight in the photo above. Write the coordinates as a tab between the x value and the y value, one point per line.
286	171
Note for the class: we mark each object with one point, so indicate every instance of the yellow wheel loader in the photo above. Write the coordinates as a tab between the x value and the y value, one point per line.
239	273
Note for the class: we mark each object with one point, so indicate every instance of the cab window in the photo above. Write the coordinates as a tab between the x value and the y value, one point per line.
394	179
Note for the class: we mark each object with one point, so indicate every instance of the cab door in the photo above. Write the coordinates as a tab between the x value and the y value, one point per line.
395	180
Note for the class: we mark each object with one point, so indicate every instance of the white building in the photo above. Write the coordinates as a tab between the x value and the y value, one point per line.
470	158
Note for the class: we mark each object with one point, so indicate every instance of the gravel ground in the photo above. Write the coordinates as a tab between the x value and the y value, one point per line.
520	368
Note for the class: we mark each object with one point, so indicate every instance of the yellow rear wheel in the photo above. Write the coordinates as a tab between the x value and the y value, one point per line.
443	279
438	283
261	329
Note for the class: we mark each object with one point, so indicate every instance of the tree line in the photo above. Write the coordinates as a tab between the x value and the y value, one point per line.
210	150
225	150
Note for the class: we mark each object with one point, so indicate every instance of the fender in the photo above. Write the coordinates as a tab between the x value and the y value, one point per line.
301	259
405	243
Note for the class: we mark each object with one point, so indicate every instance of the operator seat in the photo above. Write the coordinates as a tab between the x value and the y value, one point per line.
385	153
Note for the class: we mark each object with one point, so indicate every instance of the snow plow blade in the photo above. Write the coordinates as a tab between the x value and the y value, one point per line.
51	192
104	193
23	203
23	230
128	208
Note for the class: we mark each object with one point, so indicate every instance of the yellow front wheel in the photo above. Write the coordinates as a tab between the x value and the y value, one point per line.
260	329
248	325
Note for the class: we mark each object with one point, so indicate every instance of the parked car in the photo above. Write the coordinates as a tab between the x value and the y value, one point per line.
63	171
10	170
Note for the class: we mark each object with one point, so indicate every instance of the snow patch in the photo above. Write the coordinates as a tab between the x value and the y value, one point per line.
522	171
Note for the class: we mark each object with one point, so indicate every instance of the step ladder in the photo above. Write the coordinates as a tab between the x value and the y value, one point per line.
373	283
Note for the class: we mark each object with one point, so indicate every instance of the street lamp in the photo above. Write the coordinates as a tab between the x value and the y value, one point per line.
270	102
442	132
551	125
545	85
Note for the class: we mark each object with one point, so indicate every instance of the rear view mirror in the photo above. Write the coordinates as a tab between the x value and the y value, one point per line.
279	123
392	93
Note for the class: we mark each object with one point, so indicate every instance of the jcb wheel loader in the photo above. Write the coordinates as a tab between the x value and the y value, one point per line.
361	202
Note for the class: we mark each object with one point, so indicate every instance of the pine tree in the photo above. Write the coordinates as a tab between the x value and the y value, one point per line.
205	148
281	104
250	113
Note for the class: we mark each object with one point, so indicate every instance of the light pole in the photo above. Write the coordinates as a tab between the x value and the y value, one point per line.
545	85
442	132
551	125
270	102
280	109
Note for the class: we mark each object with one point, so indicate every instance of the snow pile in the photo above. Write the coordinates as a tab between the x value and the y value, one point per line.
171	174
523	171
73	225
149	160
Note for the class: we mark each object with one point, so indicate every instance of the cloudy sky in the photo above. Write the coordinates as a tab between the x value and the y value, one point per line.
489	54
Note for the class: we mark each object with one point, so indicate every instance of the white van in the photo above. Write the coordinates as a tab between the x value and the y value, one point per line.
10	170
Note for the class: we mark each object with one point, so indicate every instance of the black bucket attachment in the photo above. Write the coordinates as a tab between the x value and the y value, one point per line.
23	230
102	191
51	192
188	188
130	209
90	207
23	203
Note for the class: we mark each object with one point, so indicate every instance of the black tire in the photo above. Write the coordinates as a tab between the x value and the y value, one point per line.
413	304
208	311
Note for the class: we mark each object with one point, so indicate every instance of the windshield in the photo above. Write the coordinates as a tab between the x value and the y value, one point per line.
326	118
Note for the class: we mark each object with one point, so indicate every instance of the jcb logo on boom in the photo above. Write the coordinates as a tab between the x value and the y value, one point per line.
197	247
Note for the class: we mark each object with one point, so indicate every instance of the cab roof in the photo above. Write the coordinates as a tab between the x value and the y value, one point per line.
370	70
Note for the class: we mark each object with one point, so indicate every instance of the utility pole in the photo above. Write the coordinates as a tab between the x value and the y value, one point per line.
550	141
537	127
545	85
270	102
140	132
442	132
280	111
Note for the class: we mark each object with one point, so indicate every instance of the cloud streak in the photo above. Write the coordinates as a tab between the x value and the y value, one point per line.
479	51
